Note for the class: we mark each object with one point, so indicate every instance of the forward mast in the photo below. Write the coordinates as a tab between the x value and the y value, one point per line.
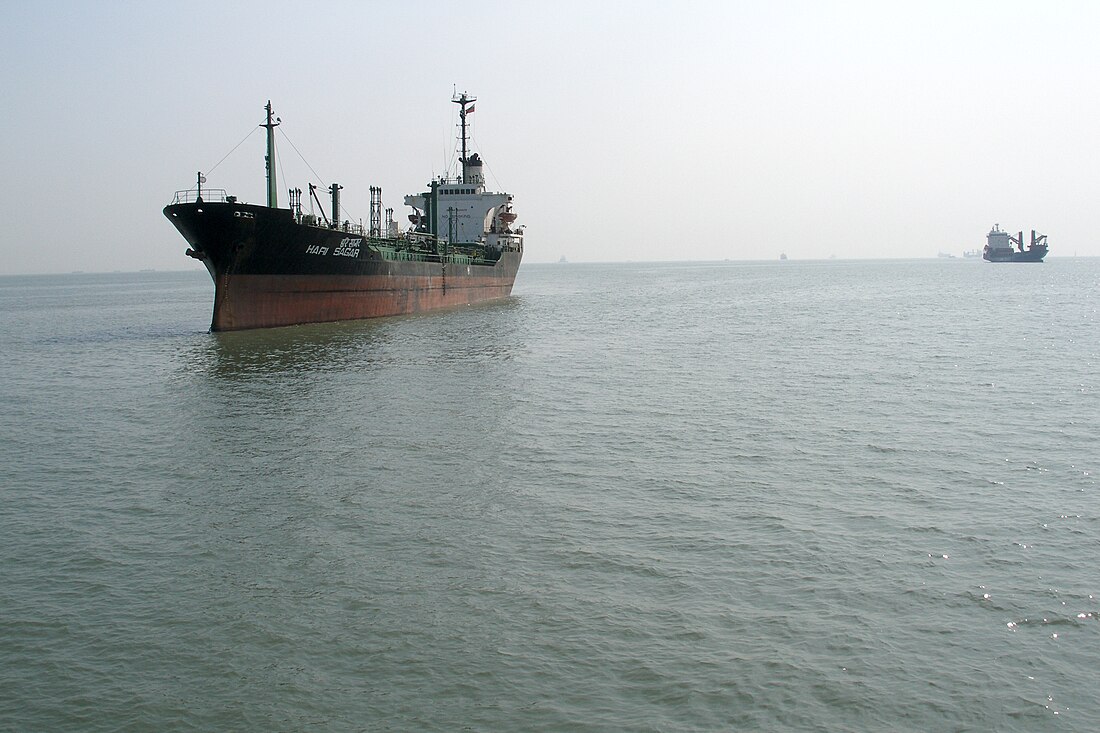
272	196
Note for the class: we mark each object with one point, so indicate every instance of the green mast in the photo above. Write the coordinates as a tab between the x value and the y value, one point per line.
272	199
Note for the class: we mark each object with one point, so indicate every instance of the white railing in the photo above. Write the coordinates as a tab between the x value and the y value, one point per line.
191	196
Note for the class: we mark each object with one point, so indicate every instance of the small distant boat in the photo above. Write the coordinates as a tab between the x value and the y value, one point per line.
563	260
999	247
783	256
971	254
946	255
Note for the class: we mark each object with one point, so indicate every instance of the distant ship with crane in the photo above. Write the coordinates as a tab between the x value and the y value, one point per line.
1003	247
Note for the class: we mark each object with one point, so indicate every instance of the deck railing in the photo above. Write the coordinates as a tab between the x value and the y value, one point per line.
191	196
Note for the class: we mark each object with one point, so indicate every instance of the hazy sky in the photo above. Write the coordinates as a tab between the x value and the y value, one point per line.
626	131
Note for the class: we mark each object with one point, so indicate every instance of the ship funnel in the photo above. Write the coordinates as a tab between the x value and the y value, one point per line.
474	174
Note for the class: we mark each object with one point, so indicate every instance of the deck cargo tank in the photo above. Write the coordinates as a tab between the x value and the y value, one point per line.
276	266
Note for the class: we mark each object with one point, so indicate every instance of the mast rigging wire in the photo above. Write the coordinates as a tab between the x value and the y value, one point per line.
211	170
491	171
279	163
315	173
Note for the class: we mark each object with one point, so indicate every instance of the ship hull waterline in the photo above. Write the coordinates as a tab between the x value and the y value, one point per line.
270	271
1017	256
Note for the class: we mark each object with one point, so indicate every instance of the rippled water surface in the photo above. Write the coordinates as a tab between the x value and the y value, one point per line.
834	496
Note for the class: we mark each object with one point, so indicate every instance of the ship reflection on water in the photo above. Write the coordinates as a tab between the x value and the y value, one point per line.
299	350
325	350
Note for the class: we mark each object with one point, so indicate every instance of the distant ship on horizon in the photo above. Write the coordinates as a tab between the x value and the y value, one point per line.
998	247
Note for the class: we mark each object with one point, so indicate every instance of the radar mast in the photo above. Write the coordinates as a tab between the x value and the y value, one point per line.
462	100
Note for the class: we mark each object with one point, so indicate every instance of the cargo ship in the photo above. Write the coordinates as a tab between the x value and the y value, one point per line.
999	247
275	266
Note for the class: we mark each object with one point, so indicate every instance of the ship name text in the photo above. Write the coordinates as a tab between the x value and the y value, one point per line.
349	247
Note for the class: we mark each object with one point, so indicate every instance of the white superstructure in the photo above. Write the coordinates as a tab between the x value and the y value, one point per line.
998	241
458	210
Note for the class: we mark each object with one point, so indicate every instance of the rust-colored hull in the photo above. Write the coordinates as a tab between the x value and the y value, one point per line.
262	301
270	271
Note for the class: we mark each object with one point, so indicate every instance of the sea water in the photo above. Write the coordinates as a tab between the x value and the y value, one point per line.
806	496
